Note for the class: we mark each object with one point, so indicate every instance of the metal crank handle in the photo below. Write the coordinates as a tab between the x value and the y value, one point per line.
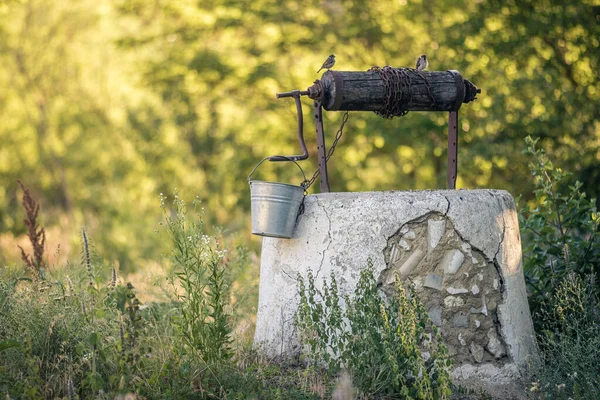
296	95
291	94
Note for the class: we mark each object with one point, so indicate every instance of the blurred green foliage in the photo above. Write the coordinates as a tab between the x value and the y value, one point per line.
105	104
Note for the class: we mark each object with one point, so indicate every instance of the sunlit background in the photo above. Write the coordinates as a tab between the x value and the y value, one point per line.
106	104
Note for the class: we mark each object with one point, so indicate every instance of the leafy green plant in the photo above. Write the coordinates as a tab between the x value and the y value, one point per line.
390	347
561	232
199	265
561	260
82	333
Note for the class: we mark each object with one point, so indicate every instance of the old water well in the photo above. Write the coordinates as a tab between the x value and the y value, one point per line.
460	248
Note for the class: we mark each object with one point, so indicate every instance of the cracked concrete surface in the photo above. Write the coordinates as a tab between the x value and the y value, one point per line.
339	232
328	237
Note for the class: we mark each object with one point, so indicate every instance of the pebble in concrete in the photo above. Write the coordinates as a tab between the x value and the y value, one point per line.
391	279
453	290
461	340
434	281
495	346
477	352
453	301
466	248
460	320
481	310
394	254
435	313
410	264
475	289
435	230
403	244
452	261
418	283
410	235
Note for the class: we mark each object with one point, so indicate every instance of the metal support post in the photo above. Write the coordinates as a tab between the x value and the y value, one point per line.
321	151
452	149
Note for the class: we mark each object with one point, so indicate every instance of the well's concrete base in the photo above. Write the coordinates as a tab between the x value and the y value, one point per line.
461	249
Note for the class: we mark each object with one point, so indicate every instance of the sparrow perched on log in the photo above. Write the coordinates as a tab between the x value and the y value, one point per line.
422	63
328	64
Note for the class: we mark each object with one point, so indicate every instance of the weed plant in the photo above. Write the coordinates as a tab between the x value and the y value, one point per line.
562	260
82	333
389	347
562	230
199	266
570	340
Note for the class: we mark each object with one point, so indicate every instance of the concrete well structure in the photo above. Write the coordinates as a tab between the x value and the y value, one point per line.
460	248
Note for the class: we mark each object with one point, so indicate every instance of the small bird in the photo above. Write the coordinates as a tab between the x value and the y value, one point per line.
422	63
328	64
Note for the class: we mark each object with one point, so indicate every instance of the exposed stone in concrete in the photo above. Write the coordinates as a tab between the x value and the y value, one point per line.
452	290
410	264
410	235
477	352
495	346
403	244
435	230
488	374
418	283
394	254
481	310
460	320
391	280
434	281
452	261
435	313
466	248
453	301
339	231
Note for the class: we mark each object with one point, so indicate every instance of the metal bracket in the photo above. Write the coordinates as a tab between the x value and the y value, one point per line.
452	149
321	153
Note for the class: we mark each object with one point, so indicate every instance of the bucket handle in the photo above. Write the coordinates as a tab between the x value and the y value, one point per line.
280	157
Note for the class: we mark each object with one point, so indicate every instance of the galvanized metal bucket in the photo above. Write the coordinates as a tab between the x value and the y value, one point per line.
275	206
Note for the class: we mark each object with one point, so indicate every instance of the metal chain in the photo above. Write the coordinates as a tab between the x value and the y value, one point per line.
397	82
428	88
307	183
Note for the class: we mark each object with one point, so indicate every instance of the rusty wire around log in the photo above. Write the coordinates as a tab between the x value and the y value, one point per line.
397	83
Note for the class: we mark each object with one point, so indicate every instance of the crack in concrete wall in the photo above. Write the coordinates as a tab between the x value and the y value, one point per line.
328	237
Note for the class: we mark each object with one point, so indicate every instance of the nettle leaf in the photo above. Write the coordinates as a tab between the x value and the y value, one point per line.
94	339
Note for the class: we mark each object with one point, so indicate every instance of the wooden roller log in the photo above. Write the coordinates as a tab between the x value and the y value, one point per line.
366	91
